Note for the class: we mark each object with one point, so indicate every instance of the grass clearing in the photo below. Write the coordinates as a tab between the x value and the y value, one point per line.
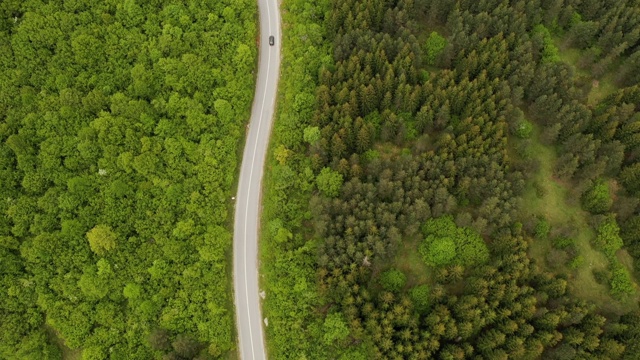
560	207
409	261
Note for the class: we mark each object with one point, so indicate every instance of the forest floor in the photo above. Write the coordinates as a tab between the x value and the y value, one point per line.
599	88
409	261
67	353
558	207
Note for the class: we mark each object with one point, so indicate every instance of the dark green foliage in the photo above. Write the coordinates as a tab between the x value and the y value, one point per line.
412	147
597	199
393	280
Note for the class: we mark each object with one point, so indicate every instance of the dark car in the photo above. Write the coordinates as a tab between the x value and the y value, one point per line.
272	40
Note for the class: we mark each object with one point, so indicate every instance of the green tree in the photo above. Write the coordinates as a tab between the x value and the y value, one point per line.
335	329
434	46
597	199
329	182
393	280
101	239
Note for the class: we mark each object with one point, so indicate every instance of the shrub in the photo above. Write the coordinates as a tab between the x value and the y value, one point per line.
329	182
438	252
523	129
576	262
597	199
335	328
608	238
542	229
420	297
447	244
393	280
563	242
621	283
434	47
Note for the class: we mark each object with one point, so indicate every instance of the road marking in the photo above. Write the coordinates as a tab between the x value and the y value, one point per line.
246	211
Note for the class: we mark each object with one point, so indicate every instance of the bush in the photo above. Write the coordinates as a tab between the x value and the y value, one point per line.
447	244
439	252
576	262
329	182
335	328
563	242
597	199
542	229
608	238
434	47
523	129
621	283
393	280
420	297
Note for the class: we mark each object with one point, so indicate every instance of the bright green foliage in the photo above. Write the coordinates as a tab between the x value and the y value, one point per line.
445	244
335	329
597	199
311	134
549	49
576	262
433	47
621	283
420	296
542	228
101	239
523	129
439	252
393	280
119	128
608	238
329	182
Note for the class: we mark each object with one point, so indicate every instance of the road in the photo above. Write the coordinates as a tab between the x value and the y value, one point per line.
247	216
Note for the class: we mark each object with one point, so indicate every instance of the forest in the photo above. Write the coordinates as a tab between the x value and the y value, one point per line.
455	180
120	129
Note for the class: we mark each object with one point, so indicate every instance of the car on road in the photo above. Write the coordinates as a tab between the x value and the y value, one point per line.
272	40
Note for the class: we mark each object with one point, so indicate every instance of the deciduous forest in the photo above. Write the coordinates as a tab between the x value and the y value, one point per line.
120	127
455	180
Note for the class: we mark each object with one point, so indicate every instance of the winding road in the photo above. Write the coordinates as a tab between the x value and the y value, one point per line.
247	216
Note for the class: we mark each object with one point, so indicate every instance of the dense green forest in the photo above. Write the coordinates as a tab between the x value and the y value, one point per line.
455	180
120	123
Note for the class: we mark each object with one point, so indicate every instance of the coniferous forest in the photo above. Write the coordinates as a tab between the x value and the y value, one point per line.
455	180
120	125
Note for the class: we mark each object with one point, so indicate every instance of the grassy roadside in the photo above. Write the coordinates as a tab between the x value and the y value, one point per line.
287	267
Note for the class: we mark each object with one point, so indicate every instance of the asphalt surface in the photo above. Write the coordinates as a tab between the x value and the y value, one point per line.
247	217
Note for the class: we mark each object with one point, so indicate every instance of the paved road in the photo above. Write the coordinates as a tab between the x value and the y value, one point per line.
245	239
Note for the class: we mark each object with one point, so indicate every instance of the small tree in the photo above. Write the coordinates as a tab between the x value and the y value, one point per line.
597	199
420	297
329	182
335	328
393	280
311	134
434	47
101	239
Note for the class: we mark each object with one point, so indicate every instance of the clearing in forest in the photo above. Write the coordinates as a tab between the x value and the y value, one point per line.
555	202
